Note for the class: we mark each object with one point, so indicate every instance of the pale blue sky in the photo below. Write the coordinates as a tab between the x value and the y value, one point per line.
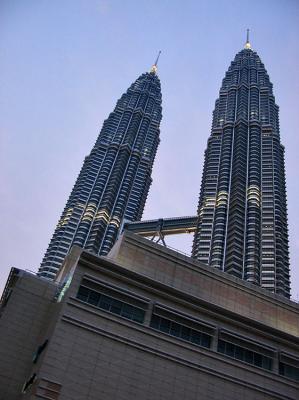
64	63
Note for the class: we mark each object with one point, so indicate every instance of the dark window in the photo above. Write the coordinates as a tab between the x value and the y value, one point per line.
83	293
94	298
175	329
230	349
164	325
29	383
186	332
155	322
39	351
105	302
180	331
196	337
243	354
248	356
116	306
221	346
240	353
138	315
110	304
127	311
267	363
258	359
289	371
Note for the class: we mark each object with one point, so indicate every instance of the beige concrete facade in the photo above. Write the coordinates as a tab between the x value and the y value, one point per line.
108	329
23	315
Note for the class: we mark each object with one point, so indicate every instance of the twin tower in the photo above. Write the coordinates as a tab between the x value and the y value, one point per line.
242	215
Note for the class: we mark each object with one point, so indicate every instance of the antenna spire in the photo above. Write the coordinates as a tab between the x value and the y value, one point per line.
157	59
154	68
247	44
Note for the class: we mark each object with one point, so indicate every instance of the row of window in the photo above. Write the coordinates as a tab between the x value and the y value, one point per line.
243	354
180	331
289	371
182	328
111	304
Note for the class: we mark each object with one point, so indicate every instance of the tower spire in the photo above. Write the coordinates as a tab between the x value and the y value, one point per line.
247	44
154	68
157	59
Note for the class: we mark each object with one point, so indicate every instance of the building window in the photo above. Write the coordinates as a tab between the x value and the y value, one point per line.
29	383
5	297
111	304
289	371
180	331
39	351
243	354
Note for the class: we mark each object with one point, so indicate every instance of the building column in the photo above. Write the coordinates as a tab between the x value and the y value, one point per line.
148	313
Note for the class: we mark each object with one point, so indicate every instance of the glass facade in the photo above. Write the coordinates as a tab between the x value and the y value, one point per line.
114	181
242	212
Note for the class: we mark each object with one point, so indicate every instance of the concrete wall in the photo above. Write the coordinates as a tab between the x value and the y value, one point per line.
22	321
207	283
95	355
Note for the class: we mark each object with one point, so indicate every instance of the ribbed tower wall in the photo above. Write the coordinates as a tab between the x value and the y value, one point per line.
242	213
114	181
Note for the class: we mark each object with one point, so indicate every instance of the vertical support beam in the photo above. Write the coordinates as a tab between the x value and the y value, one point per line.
215	338
148	313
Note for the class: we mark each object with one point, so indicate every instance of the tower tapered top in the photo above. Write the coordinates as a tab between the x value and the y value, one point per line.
154	68
247	44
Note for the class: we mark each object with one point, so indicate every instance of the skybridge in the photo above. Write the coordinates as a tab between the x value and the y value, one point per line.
157	229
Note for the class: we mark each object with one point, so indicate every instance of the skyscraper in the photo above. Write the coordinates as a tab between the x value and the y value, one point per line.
242	213
115	178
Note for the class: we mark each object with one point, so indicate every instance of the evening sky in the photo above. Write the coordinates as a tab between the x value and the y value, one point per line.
64	64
